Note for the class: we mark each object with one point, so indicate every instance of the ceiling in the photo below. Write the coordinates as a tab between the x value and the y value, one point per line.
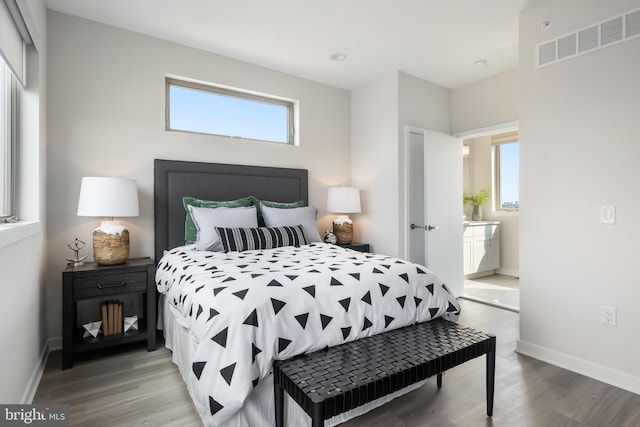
436	40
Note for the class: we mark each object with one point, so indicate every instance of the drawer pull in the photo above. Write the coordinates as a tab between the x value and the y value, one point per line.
116	285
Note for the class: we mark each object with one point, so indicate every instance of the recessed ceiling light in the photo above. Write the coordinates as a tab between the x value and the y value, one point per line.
480	63
338	57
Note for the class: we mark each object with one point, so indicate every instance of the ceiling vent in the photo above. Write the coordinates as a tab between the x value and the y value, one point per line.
593	37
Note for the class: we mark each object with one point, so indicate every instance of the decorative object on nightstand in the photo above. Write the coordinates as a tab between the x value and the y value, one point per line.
343	201
91	281
76	246
131	323
329	237
92	329
109	197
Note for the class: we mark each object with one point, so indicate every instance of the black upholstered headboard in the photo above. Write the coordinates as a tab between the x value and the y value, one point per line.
214	181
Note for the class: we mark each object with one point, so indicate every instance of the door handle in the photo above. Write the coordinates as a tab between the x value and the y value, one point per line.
424	227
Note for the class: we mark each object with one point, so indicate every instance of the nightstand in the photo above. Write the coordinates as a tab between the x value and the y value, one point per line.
91	281
360	247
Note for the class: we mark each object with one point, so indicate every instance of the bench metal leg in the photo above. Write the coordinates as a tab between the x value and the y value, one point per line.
439	380
317	420
279	402
491	374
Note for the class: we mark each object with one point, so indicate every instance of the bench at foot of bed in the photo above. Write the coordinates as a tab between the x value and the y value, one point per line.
329	382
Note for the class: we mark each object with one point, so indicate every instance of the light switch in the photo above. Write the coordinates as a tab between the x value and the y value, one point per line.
607	215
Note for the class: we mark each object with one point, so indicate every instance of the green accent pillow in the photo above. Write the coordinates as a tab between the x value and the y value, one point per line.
190	231
280	205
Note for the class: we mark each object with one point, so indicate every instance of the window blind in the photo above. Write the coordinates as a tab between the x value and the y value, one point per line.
14	37
504	138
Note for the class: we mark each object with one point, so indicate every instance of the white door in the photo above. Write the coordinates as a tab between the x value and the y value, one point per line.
433	204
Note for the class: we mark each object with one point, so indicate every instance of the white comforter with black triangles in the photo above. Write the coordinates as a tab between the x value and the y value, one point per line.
245	309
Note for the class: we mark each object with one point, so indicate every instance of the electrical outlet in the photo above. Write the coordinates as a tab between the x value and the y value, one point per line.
608	316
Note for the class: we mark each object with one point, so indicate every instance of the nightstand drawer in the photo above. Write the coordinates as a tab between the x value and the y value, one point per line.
109	284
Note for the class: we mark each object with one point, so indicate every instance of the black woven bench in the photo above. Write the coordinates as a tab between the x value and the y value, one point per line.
329	382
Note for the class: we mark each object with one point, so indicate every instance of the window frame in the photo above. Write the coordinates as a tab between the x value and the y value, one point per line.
236	93
496	142
8	143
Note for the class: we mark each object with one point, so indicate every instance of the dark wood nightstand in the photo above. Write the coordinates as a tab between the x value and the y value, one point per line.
99	282
360	247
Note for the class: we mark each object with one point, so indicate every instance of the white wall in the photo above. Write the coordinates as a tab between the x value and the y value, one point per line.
106	107
379	112
22	305
424	105
484	103
374	163
580	147
23	317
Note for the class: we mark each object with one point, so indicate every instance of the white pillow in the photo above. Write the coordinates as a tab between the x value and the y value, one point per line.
305	216
207	219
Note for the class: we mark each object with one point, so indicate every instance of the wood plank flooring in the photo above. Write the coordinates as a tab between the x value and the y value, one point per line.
139	388
498	290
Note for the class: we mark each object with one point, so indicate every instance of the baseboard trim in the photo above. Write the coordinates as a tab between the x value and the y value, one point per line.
508	272
479	275
55	343
36	375
490	303
503	271
584	367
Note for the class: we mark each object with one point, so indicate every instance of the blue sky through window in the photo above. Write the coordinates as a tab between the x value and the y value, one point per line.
205	112
509	173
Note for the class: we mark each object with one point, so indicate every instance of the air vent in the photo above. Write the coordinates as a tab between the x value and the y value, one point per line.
588	39
567	46
547	53
611	31
597	36
632	22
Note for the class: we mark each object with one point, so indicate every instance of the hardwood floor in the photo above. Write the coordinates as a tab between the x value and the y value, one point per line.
128	388
497	289
136	387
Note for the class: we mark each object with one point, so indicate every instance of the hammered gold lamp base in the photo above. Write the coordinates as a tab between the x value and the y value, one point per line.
343	232
110	244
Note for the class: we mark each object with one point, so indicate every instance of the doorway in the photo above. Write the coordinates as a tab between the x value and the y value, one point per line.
491	243
432	184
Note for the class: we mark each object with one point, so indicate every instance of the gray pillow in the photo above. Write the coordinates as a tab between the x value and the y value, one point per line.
190	232
207	219
305	216
282	205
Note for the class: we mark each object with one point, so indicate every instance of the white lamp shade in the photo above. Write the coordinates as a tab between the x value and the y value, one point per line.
343	200
108	197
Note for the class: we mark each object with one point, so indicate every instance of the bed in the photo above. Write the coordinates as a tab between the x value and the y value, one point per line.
228	315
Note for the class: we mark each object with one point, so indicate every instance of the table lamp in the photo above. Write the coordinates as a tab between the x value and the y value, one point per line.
109	197
343	201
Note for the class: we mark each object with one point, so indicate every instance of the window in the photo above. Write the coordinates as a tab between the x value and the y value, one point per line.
506	172
8	94
200	108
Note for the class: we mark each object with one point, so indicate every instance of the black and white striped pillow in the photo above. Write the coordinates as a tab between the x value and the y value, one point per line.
246	239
